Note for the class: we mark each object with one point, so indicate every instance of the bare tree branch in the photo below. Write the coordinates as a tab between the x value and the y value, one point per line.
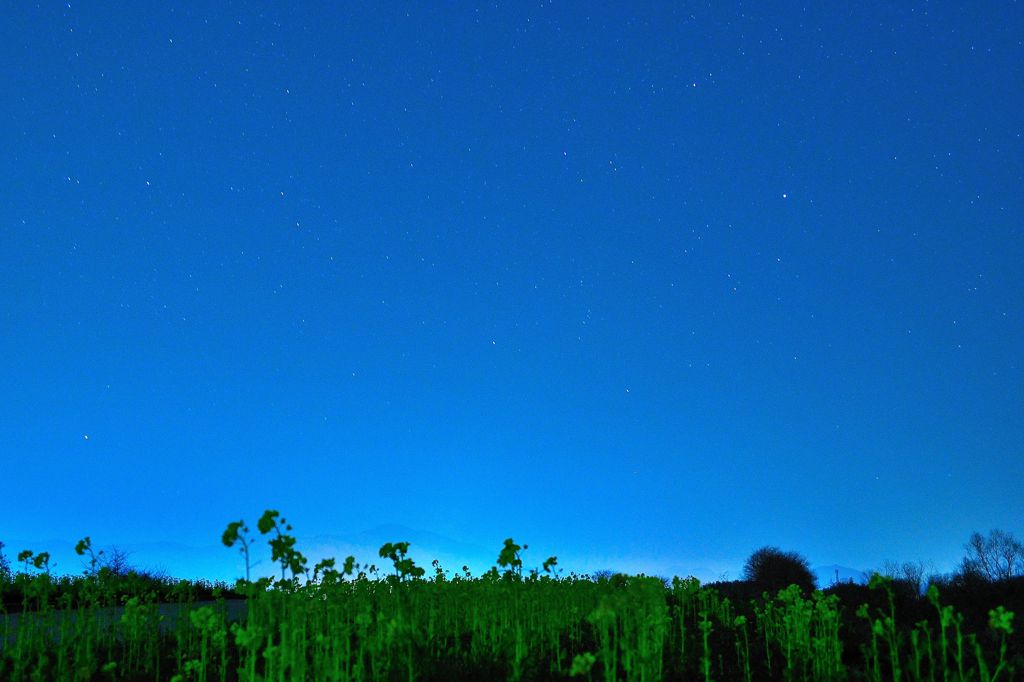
998	557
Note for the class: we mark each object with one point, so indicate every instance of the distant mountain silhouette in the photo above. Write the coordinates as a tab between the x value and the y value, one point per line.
425	539
826	575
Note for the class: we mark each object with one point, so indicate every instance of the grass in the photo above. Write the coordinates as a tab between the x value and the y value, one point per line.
352	623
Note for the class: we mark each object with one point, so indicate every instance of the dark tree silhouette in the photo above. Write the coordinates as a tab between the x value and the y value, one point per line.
5	568
1000	556
772	569
909	574
116	562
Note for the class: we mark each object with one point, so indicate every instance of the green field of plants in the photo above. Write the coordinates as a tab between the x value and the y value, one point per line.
355	622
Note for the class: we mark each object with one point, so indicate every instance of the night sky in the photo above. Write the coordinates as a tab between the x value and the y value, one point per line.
645	286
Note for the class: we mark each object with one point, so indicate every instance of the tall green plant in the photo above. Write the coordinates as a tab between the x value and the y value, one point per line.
235	532
282	546
404	567
509	557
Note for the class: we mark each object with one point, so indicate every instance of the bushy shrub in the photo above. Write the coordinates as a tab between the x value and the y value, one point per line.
772	569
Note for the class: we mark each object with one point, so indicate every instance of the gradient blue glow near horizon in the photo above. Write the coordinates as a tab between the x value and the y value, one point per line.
644	287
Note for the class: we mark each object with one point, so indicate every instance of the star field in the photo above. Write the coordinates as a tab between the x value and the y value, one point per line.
651	285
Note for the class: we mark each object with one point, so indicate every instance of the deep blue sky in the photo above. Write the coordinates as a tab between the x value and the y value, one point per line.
647	286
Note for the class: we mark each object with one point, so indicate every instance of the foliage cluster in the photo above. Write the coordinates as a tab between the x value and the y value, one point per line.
354	624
